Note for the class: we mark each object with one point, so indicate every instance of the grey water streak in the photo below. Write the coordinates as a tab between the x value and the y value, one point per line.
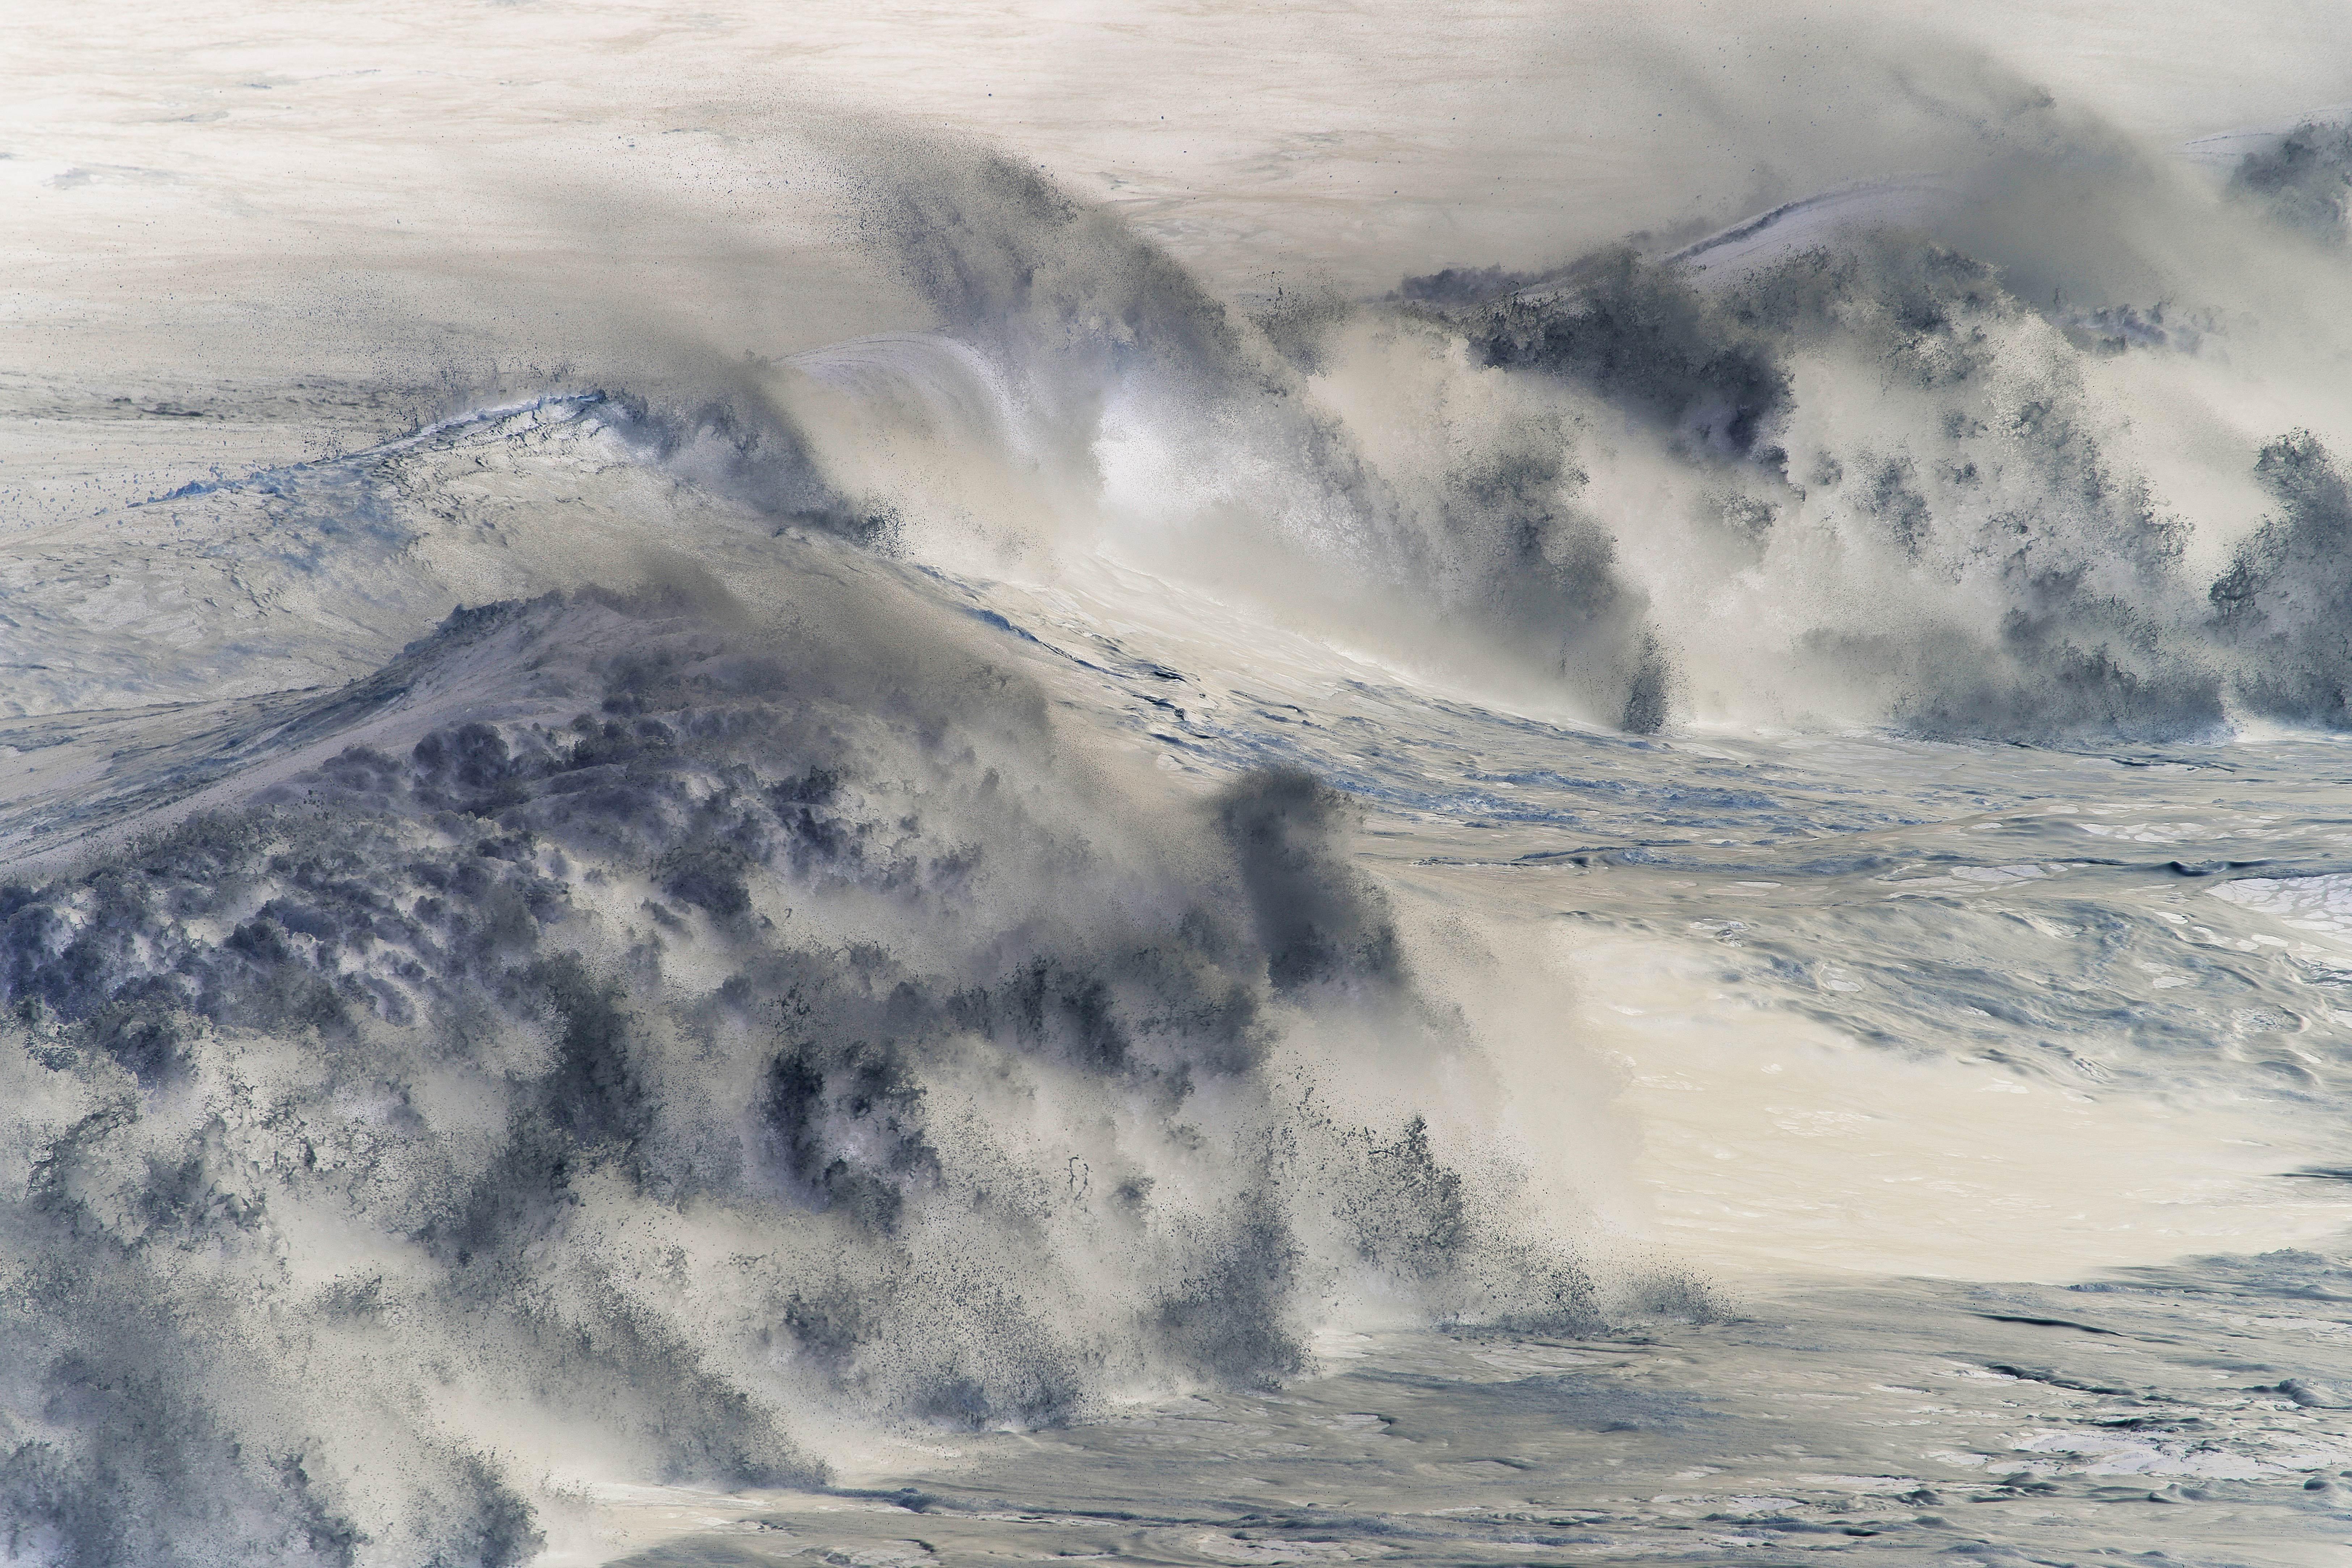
1896	1421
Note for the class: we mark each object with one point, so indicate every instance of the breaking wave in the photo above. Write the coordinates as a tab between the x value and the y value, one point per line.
729	1033
1849	474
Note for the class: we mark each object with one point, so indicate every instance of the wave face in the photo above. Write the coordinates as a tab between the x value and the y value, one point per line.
697	921
712	1032
1645	486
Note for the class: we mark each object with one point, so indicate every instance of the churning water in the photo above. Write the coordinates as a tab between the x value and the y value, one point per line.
753	811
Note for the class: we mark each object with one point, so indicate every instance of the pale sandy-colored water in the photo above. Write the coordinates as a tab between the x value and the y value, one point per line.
1947	1135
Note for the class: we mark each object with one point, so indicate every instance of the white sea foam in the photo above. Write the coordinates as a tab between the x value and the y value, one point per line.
1287	786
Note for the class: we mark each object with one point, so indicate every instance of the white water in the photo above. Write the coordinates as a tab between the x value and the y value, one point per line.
1864	1133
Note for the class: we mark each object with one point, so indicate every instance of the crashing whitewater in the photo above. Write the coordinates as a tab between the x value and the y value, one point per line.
808	919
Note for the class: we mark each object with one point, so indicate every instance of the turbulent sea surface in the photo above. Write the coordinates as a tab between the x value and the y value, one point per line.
755	810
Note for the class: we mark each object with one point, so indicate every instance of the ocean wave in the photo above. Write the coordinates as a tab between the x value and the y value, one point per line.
711	1034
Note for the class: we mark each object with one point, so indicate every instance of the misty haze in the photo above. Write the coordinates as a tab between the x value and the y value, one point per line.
1214	783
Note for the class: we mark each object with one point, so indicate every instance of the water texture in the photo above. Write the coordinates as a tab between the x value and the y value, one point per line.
762	828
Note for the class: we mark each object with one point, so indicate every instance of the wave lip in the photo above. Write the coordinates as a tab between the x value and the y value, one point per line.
1810	223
